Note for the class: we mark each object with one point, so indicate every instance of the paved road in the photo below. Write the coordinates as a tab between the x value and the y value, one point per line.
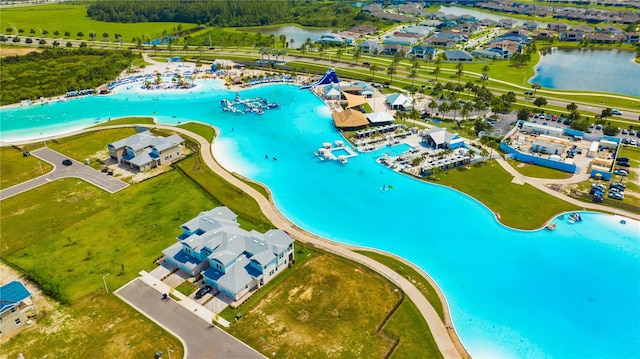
77	170
201	340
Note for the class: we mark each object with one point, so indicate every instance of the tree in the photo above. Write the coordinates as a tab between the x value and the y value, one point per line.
55	43
16	39
45	32
68	44
80	34
607	112
56	33
8	30
356	55
390	71
459	70
42	42
28	41
283	40
83	44
92	36
3	38
610	130
433	105
523	114
32	31
291	42
443	108
339	54
455	107
535	86
466	110
436	68
67	34
572	107
539	102
373	70
105	37
485	70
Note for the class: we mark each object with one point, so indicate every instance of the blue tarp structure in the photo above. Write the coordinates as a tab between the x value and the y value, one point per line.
329	77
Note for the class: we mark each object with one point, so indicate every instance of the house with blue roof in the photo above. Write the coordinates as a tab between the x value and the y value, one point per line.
144	151
16	307
232	260
423	52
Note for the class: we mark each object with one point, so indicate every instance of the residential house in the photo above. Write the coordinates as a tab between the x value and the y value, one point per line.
542	34
467	18
15	307
457	55
506	23
488	54
144	151
557	26
530	25
335	39
570	35
470	27
420	30
369	46
423	52
232	260
446	42
436	137
401	39
398	101
583	29
391	49
601	38
487	22
633	38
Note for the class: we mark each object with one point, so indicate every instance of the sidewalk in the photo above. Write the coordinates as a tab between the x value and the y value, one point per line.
162	288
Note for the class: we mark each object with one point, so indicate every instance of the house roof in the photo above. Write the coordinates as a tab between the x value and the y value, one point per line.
380	117
11	294
349	119
457	54
145	139
440	135
398	99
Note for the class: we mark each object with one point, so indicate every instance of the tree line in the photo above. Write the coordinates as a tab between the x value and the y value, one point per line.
53	72
229	13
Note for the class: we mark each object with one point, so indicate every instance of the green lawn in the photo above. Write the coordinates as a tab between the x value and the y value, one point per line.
16	168
333	308
57	17
412	275
127	121
409	324
91	145
538	171
206	131
519	206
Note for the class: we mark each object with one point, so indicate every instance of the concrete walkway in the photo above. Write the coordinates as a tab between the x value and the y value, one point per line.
77	170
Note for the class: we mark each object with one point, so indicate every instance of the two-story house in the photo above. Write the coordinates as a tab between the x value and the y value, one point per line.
15	304
144	151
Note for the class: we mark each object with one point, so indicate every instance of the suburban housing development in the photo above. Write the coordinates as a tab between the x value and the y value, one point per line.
231	259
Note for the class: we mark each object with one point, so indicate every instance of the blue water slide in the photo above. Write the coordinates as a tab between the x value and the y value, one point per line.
329	77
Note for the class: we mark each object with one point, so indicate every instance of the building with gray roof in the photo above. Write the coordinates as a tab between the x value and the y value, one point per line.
144	151
231	259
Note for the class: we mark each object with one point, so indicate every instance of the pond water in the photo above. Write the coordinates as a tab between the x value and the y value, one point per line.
454	10
612	71
298	34
568	293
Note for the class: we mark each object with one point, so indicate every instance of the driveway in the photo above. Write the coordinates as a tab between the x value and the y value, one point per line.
201	339
77	169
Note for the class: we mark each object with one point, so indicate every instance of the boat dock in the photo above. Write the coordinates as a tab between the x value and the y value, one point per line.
336	151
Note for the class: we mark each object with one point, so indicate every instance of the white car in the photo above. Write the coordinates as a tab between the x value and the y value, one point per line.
616	112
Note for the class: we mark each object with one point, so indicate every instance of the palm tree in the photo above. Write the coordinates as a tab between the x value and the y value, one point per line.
356	55
291	41
535	86
283	40
572	107
466	110
459	70
454	106
443	108
339	53
373	70
436	68
415	66
433	105
390	71
485	70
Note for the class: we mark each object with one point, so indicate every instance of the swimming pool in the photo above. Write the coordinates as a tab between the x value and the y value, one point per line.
572	292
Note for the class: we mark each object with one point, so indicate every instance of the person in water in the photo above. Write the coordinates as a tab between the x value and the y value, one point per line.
266	156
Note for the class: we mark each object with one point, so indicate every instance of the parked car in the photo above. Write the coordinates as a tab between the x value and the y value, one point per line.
621	172
616	112
597	198
632	132
624	132
67	162
202	291
623	164
616	195
366	63
632	142
617	185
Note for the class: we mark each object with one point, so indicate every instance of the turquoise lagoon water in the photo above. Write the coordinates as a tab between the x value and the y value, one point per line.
569	293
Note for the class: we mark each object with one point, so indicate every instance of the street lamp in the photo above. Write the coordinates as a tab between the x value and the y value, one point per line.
43	139
104	280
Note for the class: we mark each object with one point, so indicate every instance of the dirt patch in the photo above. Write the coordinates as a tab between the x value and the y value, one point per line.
16	51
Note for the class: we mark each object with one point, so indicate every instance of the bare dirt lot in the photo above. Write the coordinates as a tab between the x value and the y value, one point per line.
13	51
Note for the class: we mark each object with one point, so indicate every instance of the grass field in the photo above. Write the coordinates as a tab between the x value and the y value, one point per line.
55	17
330	314
538	171
206	131
491	185
17	168
127	121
